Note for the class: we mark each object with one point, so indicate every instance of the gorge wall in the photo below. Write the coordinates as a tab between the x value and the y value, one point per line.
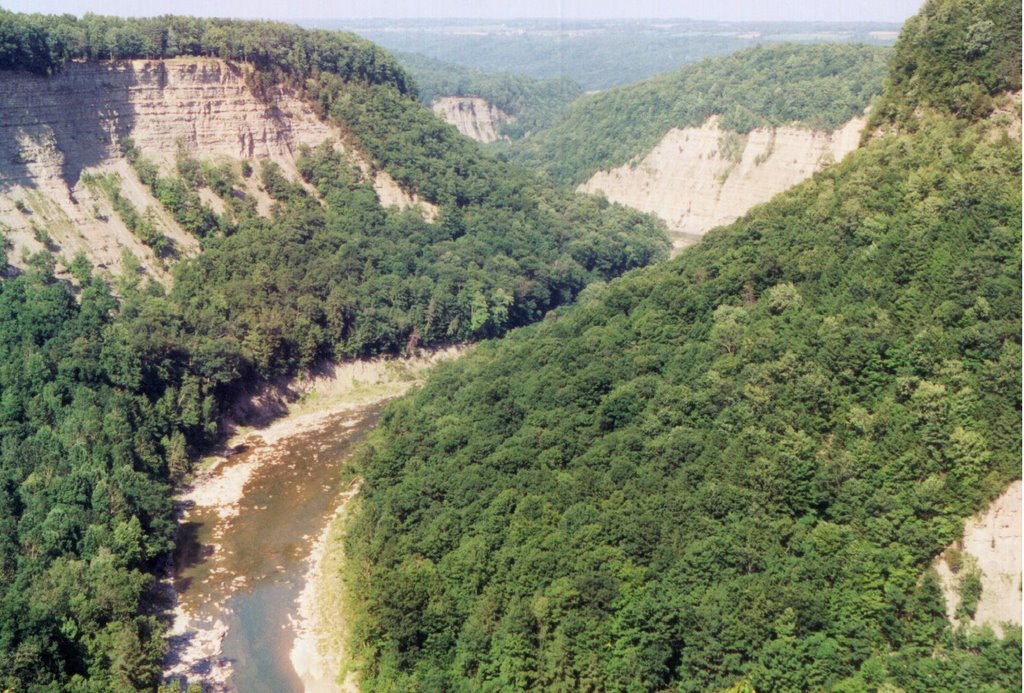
698	178
52	130
472	116
992	545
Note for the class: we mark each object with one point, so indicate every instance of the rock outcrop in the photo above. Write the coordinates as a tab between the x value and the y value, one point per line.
472	116
52	130
701	177
992	545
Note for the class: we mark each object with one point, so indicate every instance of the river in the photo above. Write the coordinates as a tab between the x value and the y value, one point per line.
241	562
248	525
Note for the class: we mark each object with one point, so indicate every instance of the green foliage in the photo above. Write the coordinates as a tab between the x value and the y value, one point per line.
820	86
42	236
142	225
87	398
346	277
735	467
44	43
180	194
533	103
954	55
970	591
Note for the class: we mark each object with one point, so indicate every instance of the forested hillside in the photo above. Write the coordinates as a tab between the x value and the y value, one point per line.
819	86
733	469
106	399
346	278
533	103
953	61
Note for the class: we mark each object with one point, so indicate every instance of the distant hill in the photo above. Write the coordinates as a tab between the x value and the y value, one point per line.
597	54
733	471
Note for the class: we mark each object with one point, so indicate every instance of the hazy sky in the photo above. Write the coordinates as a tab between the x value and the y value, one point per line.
805	10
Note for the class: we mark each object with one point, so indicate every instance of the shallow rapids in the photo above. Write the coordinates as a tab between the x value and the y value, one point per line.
244	549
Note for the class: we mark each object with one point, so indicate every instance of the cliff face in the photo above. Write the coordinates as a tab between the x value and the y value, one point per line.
992	544
699	178
54	129
472	116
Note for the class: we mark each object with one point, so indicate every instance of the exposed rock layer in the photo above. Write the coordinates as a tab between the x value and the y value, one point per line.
992	542
54	129
701	177
472	116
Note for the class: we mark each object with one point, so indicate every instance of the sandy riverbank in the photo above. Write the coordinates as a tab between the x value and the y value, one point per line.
272	417
318	651
296	405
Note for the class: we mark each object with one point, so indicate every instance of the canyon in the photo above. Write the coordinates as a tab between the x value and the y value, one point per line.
247	584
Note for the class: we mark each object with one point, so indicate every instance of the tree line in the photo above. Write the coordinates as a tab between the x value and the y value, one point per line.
43	44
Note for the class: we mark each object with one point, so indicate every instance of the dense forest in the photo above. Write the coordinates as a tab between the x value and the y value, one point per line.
108	393
953	61
347	278
96	408
733	470
43	44
820	86
533	103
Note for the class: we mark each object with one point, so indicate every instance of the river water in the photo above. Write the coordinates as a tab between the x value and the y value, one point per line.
240	568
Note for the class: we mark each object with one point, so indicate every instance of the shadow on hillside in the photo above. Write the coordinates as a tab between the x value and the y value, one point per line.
53	128
260	406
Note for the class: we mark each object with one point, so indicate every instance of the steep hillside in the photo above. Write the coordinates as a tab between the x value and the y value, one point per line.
57	132
734	469
981	571
698	178
194	136
954	59
819	87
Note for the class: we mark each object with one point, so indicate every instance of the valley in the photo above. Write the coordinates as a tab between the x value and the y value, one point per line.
249	525
597	54
269	256
324	368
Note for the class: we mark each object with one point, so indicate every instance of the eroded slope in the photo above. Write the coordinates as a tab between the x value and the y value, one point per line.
697	178
472	116
992	545
53	130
